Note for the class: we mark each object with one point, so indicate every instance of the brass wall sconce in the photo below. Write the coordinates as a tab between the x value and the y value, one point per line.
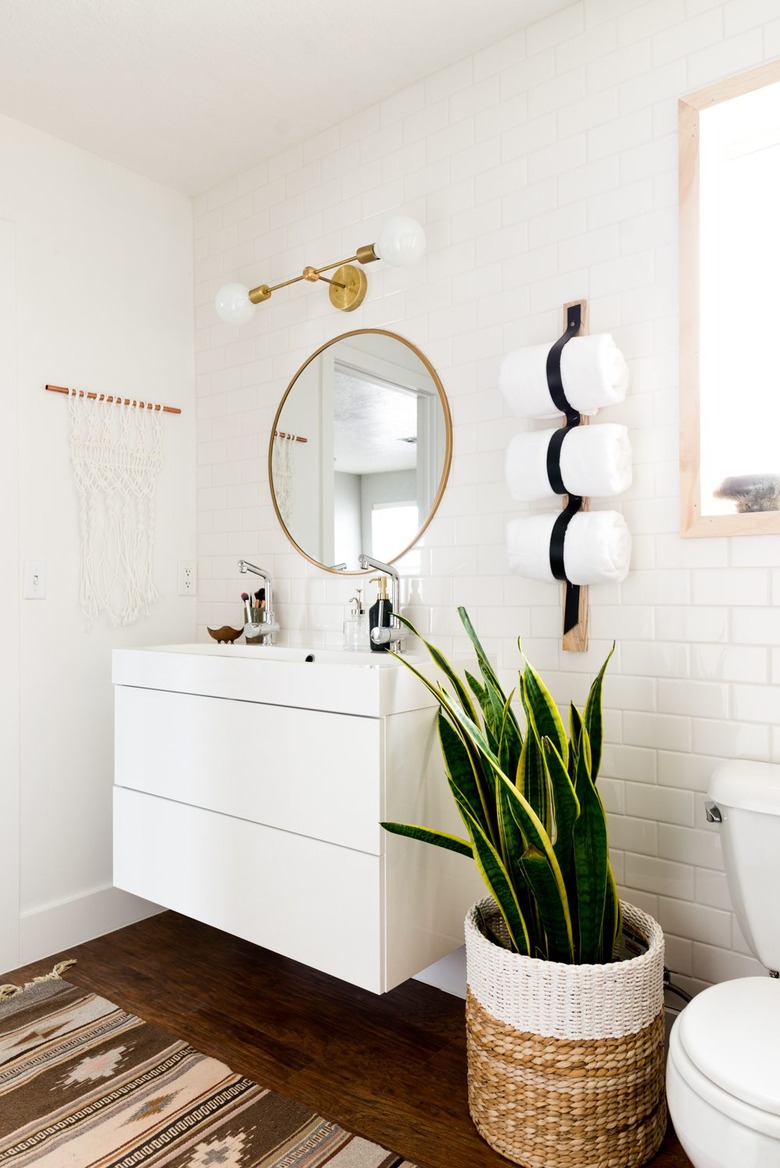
401	243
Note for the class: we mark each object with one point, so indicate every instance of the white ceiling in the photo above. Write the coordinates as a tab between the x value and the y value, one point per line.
191	92
373	423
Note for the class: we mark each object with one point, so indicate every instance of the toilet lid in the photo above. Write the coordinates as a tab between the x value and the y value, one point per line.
731	1033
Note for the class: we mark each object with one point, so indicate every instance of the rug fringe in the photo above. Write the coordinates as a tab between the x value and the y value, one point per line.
9	990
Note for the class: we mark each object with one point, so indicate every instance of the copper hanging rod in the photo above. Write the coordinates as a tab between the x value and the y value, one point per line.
292	437
125	401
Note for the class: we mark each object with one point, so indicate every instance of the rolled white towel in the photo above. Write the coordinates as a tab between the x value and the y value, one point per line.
593	371
595	461
596	547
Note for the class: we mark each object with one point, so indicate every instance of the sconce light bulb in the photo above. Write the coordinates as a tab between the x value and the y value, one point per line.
401	242
233	305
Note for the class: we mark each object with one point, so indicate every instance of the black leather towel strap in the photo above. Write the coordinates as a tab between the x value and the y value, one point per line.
558	536
557	564
571	608
554	457
554	379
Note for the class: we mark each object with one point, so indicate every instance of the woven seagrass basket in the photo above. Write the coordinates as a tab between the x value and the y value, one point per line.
566	1062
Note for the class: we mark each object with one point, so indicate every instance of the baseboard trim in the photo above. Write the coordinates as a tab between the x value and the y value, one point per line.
52	928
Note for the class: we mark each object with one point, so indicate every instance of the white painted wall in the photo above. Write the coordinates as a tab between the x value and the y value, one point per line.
9	606
95	292
544	169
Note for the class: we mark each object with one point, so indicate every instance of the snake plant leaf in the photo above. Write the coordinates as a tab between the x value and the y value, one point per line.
549	887
542	712
510	742
491	712
575	725
468	776
593	717
591	865
613	916
480	692
511	736
486	668
442	839
553	906
501	889
567	807
575	737
527	819
532	780
486	695
485	924
513	845
444	665
500	723
452	754
474	732
584	771
489	675
433	687
480	749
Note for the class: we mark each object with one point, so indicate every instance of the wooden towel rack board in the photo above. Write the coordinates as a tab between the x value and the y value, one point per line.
575	640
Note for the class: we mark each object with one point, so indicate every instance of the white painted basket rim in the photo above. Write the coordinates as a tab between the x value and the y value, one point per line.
578	1002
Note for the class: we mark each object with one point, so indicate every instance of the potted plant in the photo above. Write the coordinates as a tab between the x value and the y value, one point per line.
564	1003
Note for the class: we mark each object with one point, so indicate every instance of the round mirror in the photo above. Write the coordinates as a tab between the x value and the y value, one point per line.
360	450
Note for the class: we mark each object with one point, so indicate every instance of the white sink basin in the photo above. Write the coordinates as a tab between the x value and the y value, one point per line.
338	680
302	654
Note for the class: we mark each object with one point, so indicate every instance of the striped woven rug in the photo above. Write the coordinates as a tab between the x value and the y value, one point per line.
85	1085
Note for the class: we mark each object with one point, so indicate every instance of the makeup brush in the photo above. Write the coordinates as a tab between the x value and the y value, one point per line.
245	598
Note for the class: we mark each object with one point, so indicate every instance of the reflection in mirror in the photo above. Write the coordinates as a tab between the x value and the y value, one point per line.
360	450
729	258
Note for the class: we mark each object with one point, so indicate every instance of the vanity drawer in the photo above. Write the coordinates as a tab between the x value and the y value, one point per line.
305	771
306	899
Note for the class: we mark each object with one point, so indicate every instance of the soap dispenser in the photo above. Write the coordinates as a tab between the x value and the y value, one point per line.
352	625
362	618
379	613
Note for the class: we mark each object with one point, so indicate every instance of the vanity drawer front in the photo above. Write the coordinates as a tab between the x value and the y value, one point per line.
308	900
313	773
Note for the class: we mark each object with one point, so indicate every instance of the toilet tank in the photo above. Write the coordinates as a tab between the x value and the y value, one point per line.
747	794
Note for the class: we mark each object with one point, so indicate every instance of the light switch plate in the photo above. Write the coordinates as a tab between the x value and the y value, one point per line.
34	580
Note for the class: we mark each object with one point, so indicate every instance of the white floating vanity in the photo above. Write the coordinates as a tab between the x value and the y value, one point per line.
250	782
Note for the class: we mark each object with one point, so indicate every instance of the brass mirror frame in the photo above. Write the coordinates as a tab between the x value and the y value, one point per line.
692	521
445	473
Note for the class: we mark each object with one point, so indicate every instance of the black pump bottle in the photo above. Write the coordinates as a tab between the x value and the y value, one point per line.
379	613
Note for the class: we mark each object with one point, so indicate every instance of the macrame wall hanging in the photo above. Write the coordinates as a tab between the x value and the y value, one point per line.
116	451
282	468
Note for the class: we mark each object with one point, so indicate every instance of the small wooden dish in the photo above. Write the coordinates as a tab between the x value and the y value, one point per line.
225	635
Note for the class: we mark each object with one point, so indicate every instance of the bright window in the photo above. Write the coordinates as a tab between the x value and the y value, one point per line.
393	527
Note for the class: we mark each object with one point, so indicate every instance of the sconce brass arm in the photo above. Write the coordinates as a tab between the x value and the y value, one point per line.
349	286
400	242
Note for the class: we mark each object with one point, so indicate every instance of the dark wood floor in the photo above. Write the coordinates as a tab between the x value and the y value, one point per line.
391	1068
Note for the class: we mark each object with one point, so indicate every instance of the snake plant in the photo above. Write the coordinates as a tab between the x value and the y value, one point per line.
536	826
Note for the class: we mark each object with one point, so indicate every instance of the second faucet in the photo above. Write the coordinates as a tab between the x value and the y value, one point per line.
266	614
383	636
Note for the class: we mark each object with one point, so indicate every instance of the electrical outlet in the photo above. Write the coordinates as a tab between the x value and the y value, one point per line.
188	578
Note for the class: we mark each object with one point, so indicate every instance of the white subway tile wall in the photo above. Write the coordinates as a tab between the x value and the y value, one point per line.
544	170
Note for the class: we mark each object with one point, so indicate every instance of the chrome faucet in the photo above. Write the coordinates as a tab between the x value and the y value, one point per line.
266	615
393	634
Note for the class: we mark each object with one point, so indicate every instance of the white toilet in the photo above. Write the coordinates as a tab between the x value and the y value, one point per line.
723	1069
